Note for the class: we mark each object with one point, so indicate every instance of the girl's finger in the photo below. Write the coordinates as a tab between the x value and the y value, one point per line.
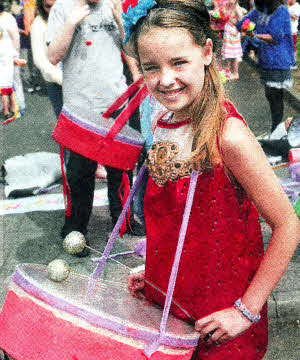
215	338
206	332
202	322
224	338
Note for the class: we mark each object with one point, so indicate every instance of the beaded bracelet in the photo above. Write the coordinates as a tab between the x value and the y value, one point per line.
245	312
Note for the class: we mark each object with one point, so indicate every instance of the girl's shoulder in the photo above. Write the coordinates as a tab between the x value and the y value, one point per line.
231	112
235	129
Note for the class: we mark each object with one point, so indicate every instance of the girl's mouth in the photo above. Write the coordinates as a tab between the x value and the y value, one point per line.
170	94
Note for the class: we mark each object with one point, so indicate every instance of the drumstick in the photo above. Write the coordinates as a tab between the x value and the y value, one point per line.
111	257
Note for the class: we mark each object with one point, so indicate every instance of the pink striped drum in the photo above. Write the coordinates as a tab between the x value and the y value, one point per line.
47	320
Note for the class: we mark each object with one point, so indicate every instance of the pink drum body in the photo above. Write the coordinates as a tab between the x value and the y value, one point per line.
36	325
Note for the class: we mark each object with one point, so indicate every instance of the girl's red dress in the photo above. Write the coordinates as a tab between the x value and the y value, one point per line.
223	245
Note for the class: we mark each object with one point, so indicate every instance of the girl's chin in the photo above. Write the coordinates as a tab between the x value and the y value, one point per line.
175	107
172	104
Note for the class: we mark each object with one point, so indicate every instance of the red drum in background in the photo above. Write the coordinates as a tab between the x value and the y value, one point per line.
113	143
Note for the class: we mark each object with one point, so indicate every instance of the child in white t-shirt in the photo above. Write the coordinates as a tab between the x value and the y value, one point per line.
9	51
294	10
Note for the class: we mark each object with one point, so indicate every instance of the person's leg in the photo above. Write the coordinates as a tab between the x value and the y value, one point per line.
5	103
12	103
55	96
235	69
228	65
294	66
81	180
275	99
35	74
25	70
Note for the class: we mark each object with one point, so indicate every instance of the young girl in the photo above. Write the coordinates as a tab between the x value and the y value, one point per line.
9	49
232	48
223	260
294	11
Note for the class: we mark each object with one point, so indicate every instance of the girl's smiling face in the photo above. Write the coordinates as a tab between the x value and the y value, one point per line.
173	67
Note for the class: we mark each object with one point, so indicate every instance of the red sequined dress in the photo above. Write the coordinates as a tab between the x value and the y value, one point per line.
223	245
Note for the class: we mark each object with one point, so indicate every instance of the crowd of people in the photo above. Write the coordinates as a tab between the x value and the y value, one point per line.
88	57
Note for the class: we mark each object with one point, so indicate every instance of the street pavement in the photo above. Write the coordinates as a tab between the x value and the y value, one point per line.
33	237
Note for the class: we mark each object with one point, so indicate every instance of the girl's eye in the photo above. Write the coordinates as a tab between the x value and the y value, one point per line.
149	68
180	63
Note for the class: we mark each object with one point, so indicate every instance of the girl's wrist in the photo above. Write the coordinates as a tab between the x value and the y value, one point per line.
246	313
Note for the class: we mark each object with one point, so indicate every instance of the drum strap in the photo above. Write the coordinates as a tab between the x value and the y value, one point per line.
66	188
151	348
114	234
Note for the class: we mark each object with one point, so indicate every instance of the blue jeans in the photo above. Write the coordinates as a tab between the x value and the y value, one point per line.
55	97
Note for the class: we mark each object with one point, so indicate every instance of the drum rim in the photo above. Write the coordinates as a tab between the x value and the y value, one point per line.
29	286
139	141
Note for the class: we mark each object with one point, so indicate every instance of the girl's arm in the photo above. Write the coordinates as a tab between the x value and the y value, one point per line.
246	160
243	156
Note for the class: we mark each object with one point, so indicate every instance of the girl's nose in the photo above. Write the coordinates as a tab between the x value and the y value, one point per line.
167	78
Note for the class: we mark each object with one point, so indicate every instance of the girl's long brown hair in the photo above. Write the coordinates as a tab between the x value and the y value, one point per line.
207	114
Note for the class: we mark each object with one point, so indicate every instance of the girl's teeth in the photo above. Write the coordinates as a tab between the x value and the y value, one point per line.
172	93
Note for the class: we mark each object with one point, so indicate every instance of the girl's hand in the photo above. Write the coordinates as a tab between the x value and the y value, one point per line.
136	284
224	325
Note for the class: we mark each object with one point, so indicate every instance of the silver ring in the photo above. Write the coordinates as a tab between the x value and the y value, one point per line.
209	335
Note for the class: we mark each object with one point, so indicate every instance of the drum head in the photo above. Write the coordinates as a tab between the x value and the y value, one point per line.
111	306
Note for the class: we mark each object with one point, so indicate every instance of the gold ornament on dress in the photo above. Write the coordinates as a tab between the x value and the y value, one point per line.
163	166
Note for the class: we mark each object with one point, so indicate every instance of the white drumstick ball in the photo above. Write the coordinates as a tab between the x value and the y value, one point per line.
58	270
74	242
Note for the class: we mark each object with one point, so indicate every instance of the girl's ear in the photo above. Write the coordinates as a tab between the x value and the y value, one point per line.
207	52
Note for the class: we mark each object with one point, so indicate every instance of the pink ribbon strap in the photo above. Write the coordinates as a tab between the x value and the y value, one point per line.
152	347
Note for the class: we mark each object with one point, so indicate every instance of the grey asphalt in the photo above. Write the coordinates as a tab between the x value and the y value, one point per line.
34	237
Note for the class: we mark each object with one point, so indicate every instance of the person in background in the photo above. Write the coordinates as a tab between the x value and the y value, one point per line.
29	73
275	53
294	10
218	25
52	74
9	54
29	10
232	48
86	35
